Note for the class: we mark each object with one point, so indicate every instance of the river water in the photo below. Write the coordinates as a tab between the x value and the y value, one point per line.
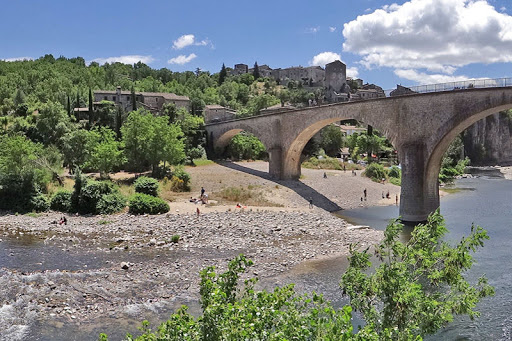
485	201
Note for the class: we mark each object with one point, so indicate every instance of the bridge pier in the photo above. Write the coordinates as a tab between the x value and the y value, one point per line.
280	167
420	192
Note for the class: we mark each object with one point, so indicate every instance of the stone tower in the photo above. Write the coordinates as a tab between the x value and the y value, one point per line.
335	80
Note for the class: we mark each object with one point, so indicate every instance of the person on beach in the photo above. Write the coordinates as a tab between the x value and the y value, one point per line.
325	175
197	211
396	200
202	191
387	195
310	203
364	192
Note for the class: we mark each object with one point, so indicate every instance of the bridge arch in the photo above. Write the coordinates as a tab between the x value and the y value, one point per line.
291	160
434	163
222	141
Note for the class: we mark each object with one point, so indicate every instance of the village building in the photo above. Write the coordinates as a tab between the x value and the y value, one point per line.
216	113
152	101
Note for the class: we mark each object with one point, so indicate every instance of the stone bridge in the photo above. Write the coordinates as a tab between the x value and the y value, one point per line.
420	127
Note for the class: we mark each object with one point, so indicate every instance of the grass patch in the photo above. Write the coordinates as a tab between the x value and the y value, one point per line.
33	214
245	196
329	163
104	222
203	162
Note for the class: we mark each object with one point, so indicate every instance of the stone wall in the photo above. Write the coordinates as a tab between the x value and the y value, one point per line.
488	142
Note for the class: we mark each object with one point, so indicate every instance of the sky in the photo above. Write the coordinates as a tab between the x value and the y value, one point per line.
382	42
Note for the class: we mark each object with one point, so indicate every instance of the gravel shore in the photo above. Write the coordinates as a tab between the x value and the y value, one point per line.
118	265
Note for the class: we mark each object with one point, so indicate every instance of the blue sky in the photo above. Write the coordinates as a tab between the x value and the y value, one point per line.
382	42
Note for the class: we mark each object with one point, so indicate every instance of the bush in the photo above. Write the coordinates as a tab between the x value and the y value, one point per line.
175	238
375	171
180	181
395	172
39	203
142	203
91	194
111	203
147	186
61	201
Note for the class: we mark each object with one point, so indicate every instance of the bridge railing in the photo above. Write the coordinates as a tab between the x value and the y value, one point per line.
460	85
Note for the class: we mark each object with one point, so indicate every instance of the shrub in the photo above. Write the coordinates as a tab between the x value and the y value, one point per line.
39	203
142	203
147	186
175	238
395	172
61	201
181	174
375	172
180	181
111	203
91	194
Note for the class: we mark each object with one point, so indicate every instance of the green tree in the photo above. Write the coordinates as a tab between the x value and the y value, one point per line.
134	99
150	140
419	286
77	146
24	174
52	123
222	75
256	71
246	146
106	154
332	140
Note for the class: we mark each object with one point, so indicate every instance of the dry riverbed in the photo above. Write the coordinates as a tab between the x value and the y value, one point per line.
119	265
144	266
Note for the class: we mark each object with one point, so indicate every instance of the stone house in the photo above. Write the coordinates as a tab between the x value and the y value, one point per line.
152	101
216	113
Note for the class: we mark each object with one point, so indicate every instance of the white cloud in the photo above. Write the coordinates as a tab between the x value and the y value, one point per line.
423	78
332	29
131	59
435	35
324	58
183	41
313	29
352	72
188	40
182	59
15	59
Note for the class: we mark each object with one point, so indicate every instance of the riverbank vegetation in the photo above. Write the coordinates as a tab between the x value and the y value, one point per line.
416	288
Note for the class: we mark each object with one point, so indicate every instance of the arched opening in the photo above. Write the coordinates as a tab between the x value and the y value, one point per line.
434	162
293	159
240	144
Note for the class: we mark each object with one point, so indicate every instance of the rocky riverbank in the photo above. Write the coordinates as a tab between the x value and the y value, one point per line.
123	264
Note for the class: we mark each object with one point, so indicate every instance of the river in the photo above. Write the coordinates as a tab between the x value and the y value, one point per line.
485	201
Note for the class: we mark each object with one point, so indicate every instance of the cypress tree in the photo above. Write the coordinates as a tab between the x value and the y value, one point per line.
256	71
134	101
222	75
19	98
91	109
69	106
77	105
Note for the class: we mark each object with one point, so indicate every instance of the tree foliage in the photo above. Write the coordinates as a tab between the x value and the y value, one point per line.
332	140
105	151
246	146
419	286
150	140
